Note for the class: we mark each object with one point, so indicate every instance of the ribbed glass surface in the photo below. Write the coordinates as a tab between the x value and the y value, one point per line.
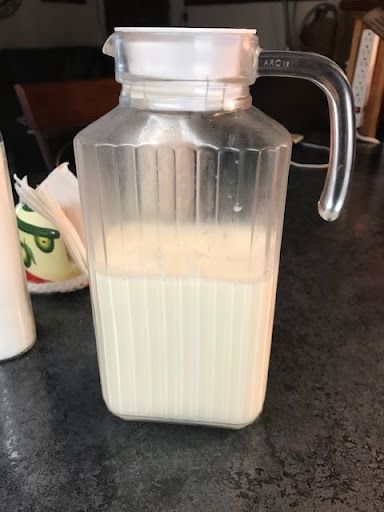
183	247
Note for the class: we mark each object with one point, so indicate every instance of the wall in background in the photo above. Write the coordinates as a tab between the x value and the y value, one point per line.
44	24
39	24
267	17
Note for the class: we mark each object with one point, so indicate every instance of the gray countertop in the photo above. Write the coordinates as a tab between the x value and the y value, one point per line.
318	446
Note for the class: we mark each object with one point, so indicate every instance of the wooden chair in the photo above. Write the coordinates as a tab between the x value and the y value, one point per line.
58	109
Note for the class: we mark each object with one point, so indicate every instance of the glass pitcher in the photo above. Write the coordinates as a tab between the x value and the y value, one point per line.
183	190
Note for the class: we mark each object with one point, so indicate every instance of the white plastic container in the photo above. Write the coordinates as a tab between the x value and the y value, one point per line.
17	327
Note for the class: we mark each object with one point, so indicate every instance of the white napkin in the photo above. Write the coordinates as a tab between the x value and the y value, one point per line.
57	199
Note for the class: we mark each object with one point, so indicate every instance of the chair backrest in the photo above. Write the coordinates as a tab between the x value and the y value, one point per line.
54	108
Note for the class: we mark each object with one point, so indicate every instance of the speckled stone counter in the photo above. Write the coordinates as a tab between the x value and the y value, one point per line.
319	444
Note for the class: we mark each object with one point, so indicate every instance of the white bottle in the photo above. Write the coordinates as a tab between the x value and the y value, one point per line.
17	326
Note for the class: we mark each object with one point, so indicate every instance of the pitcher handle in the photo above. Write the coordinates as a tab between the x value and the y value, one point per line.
331	79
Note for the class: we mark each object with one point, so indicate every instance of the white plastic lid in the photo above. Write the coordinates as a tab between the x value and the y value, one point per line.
188	54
